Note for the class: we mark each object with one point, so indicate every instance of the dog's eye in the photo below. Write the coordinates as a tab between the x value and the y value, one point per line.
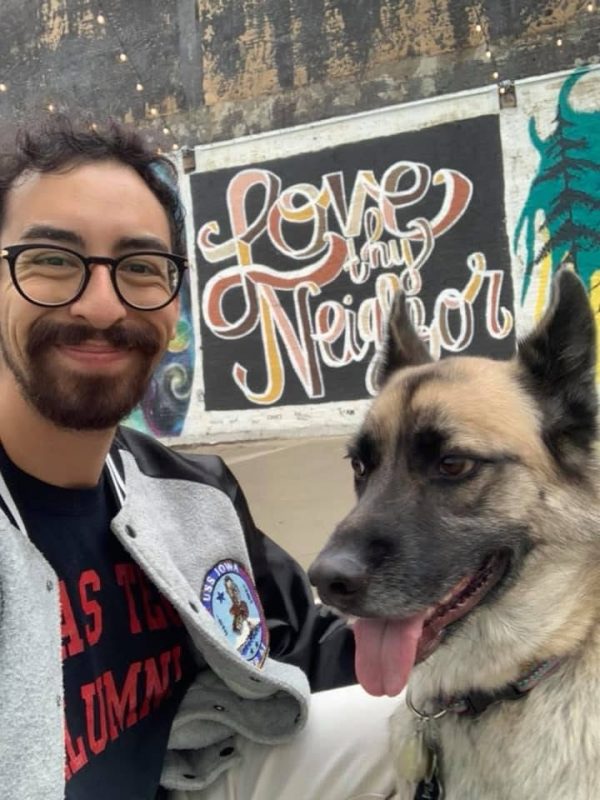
454	467
358	466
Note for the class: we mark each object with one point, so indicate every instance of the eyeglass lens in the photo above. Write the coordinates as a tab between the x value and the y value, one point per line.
54	277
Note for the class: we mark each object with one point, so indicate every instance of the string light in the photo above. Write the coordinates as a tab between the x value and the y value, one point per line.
488	53
51	107
93	126
495	75
559	42
3	87
590	7
123	58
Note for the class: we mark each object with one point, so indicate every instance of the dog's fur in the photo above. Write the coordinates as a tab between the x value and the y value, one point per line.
530	426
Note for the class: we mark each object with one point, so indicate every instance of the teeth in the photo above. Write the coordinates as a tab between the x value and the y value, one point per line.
458	596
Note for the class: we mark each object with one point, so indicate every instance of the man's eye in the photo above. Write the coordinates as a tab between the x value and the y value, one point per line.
358	466
455	467
139	267
53	261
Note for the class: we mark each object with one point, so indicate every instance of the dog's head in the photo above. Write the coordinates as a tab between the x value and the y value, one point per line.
475	484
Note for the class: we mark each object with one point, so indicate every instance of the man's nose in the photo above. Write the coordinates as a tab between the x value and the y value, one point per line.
99	305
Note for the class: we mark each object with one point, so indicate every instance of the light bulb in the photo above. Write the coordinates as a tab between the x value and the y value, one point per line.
123	57
139	87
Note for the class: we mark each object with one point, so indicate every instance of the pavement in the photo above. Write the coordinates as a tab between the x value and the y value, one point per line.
297	489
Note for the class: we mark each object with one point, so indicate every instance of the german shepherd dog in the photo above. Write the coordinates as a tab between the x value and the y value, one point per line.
472	561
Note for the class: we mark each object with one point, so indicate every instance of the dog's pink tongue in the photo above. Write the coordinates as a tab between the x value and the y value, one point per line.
386	650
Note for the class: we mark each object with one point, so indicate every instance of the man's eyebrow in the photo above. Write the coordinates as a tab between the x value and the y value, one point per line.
145	242
36	232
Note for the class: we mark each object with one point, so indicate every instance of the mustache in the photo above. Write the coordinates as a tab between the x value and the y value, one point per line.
45	333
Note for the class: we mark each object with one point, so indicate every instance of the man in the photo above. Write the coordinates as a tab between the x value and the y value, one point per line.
120	669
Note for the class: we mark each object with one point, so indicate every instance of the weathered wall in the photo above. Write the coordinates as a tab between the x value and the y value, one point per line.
218	69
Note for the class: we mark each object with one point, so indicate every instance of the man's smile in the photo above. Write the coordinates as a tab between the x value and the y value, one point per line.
95	354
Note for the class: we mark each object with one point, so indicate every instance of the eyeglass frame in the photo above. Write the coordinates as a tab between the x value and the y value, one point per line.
12	252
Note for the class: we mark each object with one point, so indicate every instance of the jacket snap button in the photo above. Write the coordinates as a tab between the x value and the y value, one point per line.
130	531
219	708
58	701
227	751
49	585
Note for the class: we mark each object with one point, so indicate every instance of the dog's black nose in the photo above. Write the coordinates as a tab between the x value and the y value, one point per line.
339	578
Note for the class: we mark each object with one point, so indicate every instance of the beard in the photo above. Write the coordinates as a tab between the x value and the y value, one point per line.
73	400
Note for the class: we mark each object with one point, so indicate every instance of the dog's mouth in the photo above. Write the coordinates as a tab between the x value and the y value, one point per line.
388	648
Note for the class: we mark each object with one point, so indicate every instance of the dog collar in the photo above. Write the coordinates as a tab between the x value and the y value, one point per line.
475	703
420	759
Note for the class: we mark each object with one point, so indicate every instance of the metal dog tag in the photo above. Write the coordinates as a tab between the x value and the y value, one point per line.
431	788
415	761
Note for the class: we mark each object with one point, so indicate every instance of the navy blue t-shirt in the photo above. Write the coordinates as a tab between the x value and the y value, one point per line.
126	660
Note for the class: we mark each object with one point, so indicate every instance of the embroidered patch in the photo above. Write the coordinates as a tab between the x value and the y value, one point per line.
230	596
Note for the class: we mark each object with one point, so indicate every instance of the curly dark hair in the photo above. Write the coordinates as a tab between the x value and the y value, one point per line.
59	144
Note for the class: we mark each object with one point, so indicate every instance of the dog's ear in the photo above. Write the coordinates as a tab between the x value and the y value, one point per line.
402	348
559	364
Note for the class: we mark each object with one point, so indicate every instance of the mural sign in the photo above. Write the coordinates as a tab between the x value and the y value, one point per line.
298	260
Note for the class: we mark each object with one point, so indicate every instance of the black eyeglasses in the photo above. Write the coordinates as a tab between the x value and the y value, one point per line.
52	276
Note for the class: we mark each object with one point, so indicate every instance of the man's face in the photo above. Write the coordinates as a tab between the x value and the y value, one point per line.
85	365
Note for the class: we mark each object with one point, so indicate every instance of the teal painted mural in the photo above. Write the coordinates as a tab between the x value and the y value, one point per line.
560	221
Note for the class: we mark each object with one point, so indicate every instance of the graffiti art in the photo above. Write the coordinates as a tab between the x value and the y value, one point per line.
299	258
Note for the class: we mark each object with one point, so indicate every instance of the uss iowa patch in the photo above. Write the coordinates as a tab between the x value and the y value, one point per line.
229	595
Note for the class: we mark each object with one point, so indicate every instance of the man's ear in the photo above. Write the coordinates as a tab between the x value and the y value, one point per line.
403	347
558	364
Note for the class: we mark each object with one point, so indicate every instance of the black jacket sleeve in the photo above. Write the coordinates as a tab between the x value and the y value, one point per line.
302	632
